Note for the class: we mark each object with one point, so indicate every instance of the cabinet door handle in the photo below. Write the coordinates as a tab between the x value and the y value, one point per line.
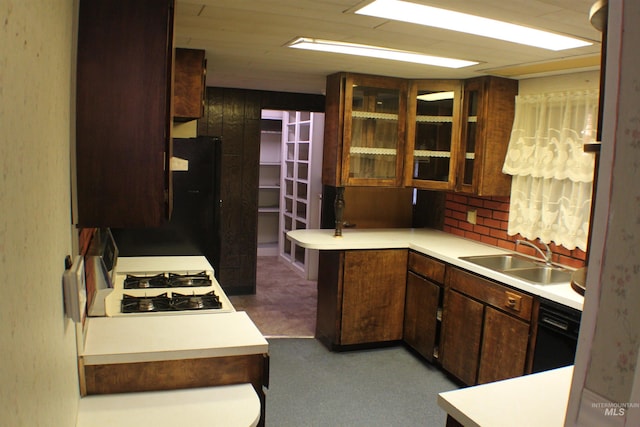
513	301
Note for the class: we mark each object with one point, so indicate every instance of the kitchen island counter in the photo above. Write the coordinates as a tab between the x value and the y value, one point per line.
149	338
438	244
529	401
233	405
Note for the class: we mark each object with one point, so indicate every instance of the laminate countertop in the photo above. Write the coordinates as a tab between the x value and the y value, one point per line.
173	337
437	244
529	401
230	406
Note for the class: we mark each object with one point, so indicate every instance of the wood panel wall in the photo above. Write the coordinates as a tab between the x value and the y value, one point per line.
234	115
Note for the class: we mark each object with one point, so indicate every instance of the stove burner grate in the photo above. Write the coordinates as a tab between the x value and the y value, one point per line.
177	302
196	302
172	280
144	282
188	280
146	304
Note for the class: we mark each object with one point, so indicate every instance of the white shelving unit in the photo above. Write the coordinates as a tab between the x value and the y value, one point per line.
269	183
302	137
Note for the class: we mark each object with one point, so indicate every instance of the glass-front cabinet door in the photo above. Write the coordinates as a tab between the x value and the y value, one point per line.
433	134
487	118
470	132
374	131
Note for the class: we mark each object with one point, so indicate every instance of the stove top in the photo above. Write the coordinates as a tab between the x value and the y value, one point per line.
167	280
148	291
177	302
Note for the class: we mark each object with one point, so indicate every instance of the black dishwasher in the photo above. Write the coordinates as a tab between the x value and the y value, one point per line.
558	328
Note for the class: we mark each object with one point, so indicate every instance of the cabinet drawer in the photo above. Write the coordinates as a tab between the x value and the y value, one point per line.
491	293
427	267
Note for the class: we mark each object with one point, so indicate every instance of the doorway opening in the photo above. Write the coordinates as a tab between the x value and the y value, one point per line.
289	198
290	185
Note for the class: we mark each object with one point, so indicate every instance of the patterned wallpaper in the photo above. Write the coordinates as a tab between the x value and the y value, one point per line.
617	334
39	381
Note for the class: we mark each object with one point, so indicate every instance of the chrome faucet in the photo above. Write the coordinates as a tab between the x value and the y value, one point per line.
547	257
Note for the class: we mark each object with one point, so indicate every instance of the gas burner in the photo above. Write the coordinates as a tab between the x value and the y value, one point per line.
189	280
145	282
145	304
196	302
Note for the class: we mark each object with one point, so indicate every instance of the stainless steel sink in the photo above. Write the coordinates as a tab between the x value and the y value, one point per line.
542	275
523	268
502	262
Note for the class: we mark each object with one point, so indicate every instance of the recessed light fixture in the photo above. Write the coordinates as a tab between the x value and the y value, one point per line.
399	10
376	52
435	96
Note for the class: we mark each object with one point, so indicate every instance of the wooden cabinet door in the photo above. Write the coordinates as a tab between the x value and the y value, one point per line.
461	334
373	295
364	138
487	118
433	134
189	84
123	119
420	315
504	347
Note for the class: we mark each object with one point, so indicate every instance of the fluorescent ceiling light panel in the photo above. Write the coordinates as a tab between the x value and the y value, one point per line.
376	52
399	10
435	96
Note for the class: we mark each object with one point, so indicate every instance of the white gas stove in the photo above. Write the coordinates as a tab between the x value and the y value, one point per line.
143	285
165	285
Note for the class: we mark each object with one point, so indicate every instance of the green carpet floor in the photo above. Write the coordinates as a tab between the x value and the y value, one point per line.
311	386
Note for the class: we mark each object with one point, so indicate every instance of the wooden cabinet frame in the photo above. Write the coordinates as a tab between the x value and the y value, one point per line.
415	86
361	296
123	103
492	121
488	329
339	128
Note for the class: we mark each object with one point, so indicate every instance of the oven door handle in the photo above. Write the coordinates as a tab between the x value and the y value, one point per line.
555	323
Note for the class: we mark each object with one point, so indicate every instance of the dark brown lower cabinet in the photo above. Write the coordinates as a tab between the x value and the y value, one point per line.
361	295
487	329
504	347
421	315
461	333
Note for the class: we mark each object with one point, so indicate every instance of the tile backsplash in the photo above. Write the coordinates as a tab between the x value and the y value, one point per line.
491	220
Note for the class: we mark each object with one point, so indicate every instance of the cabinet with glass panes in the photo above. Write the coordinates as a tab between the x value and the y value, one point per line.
458	134
364	130
487	119
433	131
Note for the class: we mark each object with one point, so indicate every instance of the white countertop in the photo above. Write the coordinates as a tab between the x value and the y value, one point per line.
145	339
228	406
530	401
444	246
161	264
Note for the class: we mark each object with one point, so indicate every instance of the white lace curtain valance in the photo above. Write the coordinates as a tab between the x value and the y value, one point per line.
552	175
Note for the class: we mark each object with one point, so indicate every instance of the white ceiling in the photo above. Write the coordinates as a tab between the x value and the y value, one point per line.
244	40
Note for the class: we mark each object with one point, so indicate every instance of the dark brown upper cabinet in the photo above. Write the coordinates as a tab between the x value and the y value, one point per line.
433	134
123	112
487	119
364	131
449	135
188	90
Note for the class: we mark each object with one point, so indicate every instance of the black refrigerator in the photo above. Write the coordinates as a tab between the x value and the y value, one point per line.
194	226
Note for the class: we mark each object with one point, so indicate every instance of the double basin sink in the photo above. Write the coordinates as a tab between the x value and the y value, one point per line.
521	267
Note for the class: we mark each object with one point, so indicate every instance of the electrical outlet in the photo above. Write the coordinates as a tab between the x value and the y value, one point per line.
471	216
